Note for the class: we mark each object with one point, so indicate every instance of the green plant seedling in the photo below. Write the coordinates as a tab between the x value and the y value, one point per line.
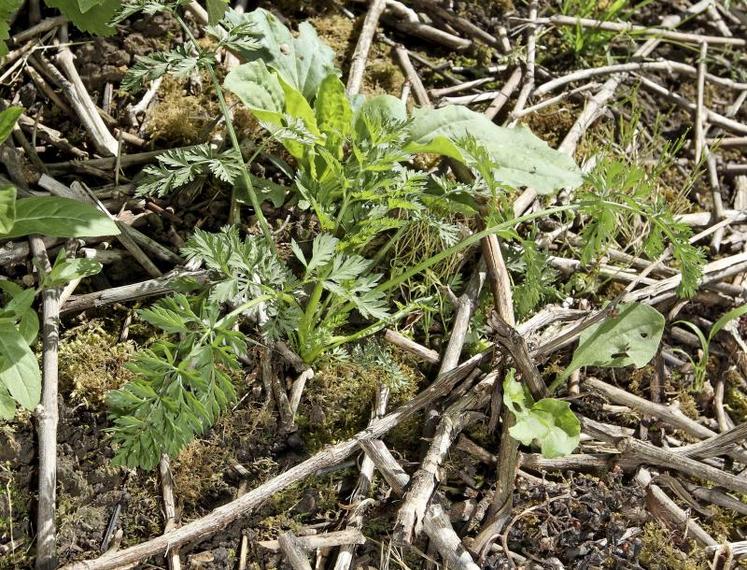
631	336
351	166
550	422
700	367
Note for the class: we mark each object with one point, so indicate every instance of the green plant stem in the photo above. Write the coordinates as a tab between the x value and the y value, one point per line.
245	178
243	307
343	211
363	333
308	318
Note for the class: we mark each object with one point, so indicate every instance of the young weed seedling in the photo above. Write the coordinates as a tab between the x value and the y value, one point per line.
354	171
701	366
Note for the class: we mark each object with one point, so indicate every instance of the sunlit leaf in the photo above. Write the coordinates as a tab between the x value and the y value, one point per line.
632	336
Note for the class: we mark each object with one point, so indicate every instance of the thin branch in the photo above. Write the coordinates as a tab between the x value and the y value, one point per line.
360	55
660	33
47	417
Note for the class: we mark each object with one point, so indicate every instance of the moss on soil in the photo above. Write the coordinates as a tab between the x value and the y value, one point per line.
382	74
660	551
552	123
179	118
92	362
340	396
15	514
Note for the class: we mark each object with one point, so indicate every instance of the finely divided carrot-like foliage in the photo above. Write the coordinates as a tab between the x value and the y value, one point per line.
353	157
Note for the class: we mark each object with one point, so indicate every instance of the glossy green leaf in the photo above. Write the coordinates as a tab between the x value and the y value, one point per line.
19	369
549	422
333	112
298	107
95	20
8	119
520	158
28	325
21	301
66	270
630	337
20	305
7	209
60	217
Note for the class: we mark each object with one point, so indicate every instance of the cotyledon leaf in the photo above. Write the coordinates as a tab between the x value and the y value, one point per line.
549	422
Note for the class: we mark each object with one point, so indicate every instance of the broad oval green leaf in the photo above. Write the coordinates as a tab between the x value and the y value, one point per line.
19	303
630	337
562	428
303	61
66	270
297	106
520	157
215	10
549	422
19	369
8	119
59	217
380	108
7	209
258	89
